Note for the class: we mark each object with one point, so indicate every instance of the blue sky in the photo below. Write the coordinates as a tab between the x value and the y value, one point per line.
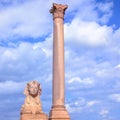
92	56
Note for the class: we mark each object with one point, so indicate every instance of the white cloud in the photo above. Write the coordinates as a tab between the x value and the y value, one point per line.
92	103
115	97
11	87
117	66
104	112
106	9
85	28
87	33
90	10
76	82
7	2
77	105
84	81
76	109
117	35
81	105
69	108
25	61
108	71
106	115
24	20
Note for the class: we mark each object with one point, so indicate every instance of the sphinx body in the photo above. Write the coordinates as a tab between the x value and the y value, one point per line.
32	103
32	106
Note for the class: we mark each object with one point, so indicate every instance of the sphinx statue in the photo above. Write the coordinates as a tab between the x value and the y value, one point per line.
32	107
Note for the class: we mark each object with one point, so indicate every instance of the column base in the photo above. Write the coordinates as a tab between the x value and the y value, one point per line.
40	116
58	112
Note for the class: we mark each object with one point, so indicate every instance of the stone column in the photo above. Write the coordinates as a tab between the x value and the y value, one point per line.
58	111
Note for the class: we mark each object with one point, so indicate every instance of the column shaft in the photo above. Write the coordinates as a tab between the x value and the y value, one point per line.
58	63
58	111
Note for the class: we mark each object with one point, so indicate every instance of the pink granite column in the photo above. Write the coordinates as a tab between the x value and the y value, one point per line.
58	97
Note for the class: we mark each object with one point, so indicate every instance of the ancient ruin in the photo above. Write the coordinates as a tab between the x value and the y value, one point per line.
32	108
58	110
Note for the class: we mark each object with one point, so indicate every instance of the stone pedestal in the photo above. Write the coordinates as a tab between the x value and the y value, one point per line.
41	116
59	113
58	110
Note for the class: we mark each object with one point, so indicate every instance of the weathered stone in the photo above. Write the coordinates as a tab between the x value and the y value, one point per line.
58	110
40	116
32	108
58	10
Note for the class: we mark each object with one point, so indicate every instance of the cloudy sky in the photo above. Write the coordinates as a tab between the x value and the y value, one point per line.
92	56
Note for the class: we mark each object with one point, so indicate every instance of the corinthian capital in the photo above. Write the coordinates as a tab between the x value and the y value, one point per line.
58	10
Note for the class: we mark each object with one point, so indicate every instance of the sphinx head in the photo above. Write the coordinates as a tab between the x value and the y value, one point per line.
33	89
